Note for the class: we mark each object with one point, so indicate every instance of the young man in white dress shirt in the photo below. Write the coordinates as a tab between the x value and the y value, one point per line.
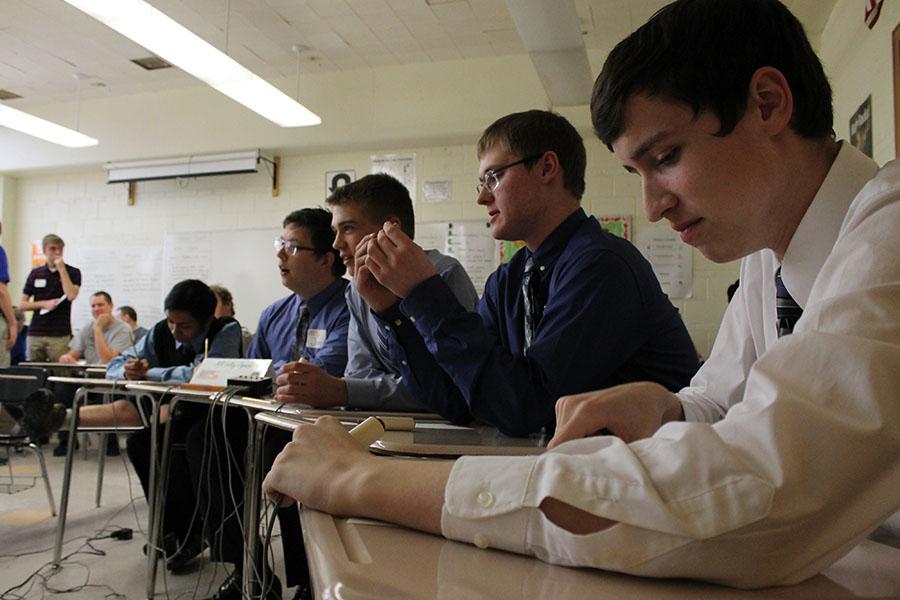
783	452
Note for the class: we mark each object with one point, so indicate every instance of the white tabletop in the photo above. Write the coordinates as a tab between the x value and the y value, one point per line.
362	559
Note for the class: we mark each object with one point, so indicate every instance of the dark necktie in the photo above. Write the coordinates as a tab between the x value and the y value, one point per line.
302	328
786	310
531	283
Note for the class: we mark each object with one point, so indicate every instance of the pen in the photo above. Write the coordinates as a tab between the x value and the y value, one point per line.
205	348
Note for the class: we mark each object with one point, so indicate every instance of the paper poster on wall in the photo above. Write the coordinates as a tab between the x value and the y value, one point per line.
469	242
508	249
619	225
434	192
37	254
671	259
861	127
336	179
400	166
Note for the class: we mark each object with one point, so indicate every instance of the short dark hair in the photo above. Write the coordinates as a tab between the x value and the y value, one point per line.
318	222
703	53
534	132
127	310
105	295
193	296
382	197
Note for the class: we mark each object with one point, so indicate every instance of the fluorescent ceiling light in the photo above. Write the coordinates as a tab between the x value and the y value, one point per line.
140	22
31	125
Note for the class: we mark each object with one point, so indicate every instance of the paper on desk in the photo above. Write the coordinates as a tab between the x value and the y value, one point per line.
59	300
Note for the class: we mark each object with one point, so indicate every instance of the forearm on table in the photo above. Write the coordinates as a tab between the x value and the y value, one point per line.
406	492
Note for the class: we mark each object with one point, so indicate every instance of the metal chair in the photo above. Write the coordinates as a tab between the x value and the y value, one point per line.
16	384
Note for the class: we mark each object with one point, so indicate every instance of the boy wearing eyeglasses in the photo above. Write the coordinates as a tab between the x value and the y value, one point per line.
372	379
576	309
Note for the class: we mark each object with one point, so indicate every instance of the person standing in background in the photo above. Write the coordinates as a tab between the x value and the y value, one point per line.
8	327
49	291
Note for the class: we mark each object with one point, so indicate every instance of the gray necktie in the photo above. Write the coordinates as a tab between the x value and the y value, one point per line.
787	311
299	346
531	281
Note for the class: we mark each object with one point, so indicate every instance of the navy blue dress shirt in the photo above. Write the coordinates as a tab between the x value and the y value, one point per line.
605	321
328	323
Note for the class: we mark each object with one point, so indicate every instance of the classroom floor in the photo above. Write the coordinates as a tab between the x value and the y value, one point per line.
28	533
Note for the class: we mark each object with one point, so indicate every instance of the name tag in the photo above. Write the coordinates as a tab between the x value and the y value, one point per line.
315	338
40	283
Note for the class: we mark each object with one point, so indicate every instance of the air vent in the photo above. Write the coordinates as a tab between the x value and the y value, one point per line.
7	95
151	63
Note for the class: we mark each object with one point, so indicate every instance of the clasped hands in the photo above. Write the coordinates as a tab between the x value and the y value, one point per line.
389	266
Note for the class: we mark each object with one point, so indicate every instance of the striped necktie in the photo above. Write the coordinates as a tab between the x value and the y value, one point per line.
786	310
299	346
531	283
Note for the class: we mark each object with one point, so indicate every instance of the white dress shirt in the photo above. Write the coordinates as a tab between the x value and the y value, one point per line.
803	457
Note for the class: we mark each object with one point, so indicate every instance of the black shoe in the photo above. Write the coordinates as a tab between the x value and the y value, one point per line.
62	447
186	553
304	592
112	445
169	544
231	587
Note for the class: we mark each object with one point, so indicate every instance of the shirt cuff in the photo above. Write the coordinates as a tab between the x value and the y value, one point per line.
484	502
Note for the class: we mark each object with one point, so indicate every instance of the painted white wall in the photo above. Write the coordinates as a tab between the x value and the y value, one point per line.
418	111
87	212
858	63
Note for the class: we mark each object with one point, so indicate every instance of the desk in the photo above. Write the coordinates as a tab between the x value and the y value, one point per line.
252	479
68	369
89	386
362	559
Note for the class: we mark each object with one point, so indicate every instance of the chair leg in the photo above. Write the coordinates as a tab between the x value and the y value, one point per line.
40	456
100	464
67	477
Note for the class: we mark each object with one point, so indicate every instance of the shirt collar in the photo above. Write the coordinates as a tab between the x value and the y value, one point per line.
818	230
556	242
320	300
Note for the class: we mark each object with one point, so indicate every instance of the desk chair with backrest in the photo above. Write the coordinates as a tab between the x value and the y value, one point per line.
18	386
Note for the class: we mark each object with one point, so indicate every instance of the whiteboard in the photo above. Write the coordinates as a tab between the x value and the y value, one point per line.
131	275
242	260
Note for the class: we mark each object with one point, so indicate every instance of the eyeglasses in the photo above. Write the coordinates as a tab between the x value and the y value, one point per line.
490	181
290	248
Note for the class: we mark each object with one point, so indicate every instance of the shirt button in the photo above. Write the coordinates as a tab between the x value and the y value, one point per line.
412	319
387	327
403	362
482	541
485	499
398	322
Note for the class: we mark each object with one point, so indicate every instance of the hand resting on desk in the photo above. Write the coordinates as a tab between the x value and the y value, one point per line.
304	383
632	411
325	469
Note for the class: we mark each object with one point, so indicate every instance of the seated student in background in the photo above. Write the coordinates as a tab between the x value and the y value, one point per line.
128	315
101	340
170	352
311	323
372	379
593	314
225	308
97	342
793	453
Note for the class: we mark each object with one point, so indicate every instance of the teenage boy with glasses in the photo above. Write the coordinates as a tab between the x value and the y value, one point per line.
724	110
373	379
577	309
